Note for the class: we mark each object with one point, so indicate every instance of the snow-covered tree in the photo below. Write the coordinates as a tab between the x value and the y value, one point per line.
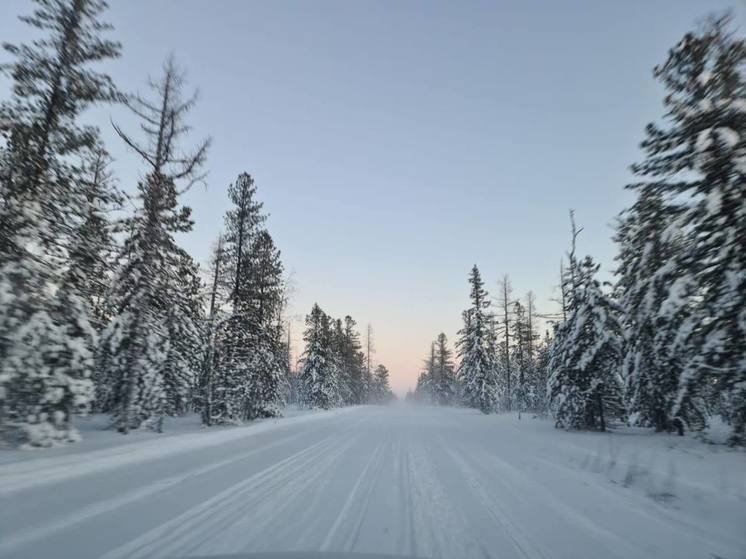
425	390
185	322
585	386
651	244
538	385
135	343
337	347
148	349
236	335
476	347
217	295
92	247
318	378
250	372
46	339
521	361
445	388
369	351
243	222
267	291
382	393
504	331
353	362
534	385
697	158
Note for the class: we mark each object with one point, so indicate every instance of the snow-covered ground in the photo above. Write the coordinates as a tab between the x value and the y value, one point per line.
425	482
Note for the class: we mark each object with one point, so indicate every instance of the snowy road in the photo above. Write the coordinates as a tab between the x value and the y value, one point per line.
419	482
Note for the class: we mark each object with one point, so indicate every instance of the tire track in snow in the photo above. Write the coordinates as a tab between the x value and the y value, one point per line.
272	503
21	476
364	486
439	527
24	538
197	524
512	480
402	467
519	539
235	525
365	510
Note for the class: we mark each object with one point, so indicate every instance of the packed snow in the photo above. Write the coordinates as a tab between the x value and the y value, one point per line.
415	481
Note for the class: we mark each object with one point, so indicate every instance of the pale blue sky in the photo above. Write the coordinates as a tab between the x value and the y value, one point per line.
396	143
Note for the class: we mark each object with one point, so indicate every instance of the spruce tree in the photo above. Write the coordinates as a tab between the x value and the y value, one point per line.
319	384
266	285
382	391
520	357
540	377
369	351
585	386
426	382
649	265
354	361
445	388
696	157
343	374
46	340
425	389
505	331
185	322
476	347
94	248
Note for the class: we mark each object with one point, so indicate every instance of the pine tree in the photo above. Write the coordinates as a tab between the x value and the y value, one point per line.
46	340
266	283
252	376
698	158
476	346
243	223
155	330
239	335
585	387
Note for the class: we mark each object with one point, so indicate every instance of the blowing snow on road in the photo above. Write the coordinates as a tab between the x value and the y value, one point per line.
411	481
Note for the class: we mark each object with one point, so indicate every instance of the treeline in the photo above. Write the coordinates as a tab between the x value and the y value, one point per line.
502	357
336	371
100	308
664	346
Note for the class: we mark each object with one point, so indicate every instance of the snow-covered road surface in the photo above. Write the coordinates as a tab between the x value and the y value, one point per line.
424	482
